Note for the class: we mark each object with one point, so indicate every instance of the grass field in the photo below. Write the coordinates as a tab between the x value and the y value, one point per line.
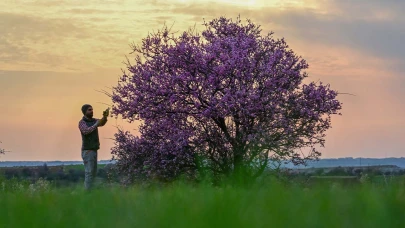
271	205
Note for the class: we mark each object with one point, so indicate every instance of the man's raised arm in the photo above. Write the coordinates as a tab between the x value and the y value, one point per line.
87	130
102	121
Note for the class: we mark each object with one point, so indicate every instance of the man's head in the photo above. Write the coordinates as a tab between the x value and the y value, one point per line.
87	110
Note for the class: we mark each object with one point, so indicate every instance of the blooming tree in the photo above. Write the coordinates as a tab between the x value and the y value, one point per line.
228	101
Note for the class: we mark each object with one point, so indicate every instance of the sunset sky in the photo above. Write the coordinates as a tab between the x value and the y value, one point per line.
56	54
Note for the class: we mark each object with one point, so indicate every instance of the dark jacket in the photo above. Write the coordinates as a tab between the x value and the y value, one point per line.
89	131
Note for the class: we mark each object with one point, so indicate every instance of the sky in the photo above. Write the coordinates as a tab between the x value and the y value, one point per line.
56	55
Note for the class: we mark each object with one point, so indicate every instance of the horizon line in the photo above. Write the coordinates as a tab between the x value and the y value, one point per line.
114	160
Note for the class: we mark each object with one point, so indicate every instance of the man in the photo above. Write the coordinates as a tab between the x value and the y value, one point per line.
88	127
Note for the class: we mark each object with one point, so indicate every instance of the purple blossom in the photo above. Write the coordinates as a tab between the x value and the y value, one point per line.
229	97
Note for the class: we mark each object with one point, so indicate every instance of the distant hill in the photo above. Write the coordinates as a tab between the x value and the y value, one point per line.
48	163
345	162
323	163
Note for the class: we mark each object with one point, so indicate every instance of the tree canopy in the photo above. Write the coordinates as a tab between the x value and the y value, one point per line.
226	102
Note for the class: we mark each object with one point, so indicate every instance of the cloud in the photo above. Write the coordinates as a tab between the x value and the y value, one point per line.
20	28
358	40
373	27
35	40
380	38
354	24
377	9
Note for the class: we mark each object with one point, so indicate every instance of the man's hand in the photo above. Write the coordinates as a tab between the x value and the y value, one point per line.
106	113
103	120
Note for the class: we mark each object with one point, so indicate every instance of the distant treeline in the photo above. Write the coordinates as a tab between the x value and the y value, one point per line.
60	175
326	162
351	171
66	175
48	163
350	162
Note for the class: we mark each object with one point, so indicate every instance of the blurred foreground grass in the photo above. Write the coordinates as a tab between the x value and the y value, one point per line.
182	205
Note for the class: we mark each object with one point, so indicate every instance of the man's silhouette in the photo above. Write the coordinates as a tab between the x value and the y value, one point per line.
90	142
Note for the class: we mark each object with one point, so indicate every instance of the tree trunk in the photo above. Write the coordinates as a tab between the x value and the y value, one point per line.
239	174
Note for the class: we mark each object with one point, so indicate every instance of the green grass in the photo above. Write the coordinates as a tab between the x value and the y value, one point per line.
180	205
